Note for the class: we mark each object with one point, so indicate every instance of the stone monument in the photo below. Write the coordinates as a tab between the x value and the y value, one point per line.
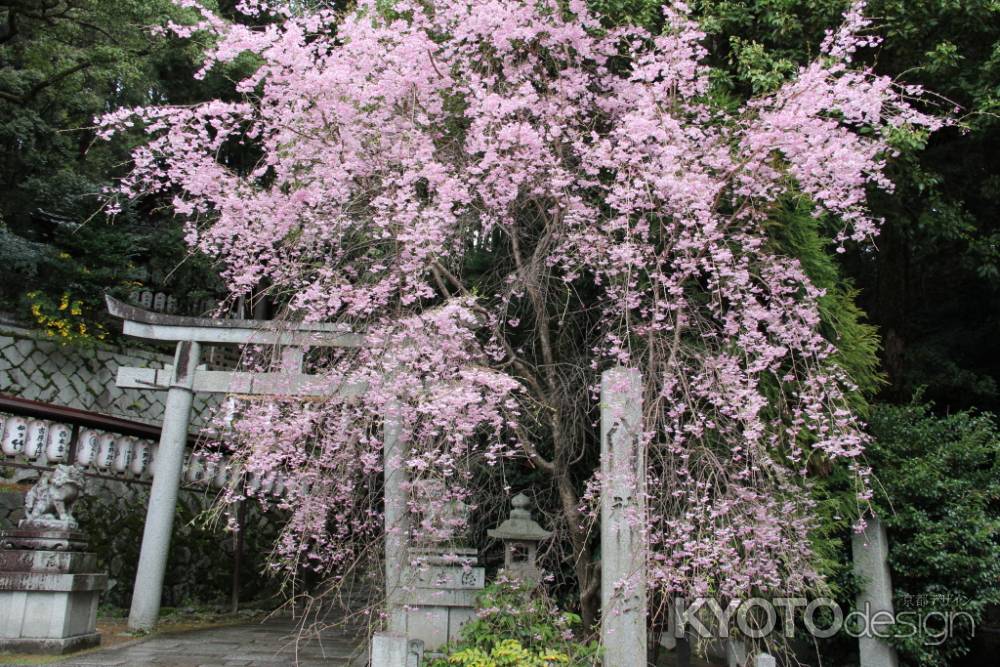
49	584
443	578
623	519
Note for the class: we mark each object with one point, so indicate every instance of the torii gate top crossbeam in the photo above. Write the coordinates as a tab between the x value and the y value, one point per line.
159	326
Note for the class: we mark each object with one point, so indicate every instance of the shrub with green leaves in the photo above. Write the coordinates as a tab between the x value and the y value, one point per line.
941	507
516	624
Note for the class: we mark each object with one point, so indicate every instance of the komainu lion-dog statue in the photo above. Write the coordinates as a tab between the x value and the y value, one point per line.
50	502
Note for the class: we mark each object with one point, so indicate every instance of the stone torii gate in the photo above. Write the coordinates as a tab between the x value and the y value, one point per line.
185	378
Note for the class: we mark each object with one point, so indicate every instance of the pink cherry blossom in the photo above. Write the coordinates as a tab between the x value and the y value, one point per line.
621	212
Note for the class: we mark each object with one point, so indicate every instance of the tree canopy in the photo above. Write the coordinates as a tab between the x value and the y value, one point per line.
572	190
782	211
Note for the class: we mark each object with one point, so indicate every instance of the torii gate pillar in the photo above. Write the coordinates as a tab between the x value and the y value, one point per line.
181	382
163	497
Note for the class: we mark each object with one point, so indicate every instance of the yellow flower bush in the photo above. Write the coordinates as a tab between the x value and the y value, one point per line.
65	320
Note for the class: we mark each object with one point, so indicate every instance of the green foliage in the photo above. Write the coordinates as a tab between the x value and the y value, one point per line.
506	652
517	625
63	63
63	320
933	287
794	231
939	497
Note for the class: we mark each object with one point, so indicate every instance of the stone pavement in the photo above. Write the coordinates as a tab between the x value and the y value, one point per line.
268	644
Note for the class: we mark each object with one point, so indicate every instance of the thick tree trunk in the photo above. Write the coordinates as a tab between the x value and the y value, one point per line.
588	578
587	574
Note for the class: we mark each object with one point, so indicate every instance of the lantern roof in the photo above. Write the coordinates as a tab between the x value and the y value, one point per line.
520	525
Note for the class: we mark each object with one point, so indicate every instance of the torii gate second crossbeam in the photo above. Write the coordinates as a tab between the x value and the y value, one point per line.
185	378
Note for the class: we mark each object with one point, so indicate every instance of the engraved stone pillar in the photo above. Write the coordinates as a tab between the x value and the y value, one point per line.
623	519
736	653
440	578
396	519
49	584
870	551
441	593
764	660
390	649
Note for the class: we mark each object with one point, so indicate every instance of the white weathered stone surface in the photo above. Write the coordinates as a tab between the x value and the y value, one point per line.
48	600
520	535
156	534
870	551
765	660
397	525
440	597
623	517
389	649
49	503
736	653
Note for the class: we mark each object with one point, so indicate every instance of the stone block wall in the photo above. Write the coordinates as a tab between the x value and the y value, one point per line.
11	508
201	559
39	369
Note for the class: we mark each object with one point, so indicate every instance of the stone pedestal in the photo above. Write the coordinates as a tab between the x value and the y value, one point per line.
441	594
49	589
394	650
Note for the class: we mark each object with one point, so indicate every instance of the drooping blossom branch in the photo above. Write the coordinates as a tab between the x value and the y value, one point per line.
509	198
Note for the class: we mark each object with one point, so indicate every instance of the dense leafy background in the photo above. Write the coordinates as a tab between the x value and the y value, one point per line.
62	63
941	504
930	292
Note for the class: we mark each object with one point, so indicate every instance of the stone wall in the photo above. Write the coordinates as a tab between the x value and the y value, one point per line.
201	560
74	376
11	508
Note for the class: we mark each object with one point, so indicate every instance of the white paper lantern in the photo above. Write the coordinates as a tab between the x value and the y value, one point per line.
123	453
58	443
152	459
279	485
267	483
252	483
86	447
194	472
141	454
222	475
15	433
211	467
105	451
34	446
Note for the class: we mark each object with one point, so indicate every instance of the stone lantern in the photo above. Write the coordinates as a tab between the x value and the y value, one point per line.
520	536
